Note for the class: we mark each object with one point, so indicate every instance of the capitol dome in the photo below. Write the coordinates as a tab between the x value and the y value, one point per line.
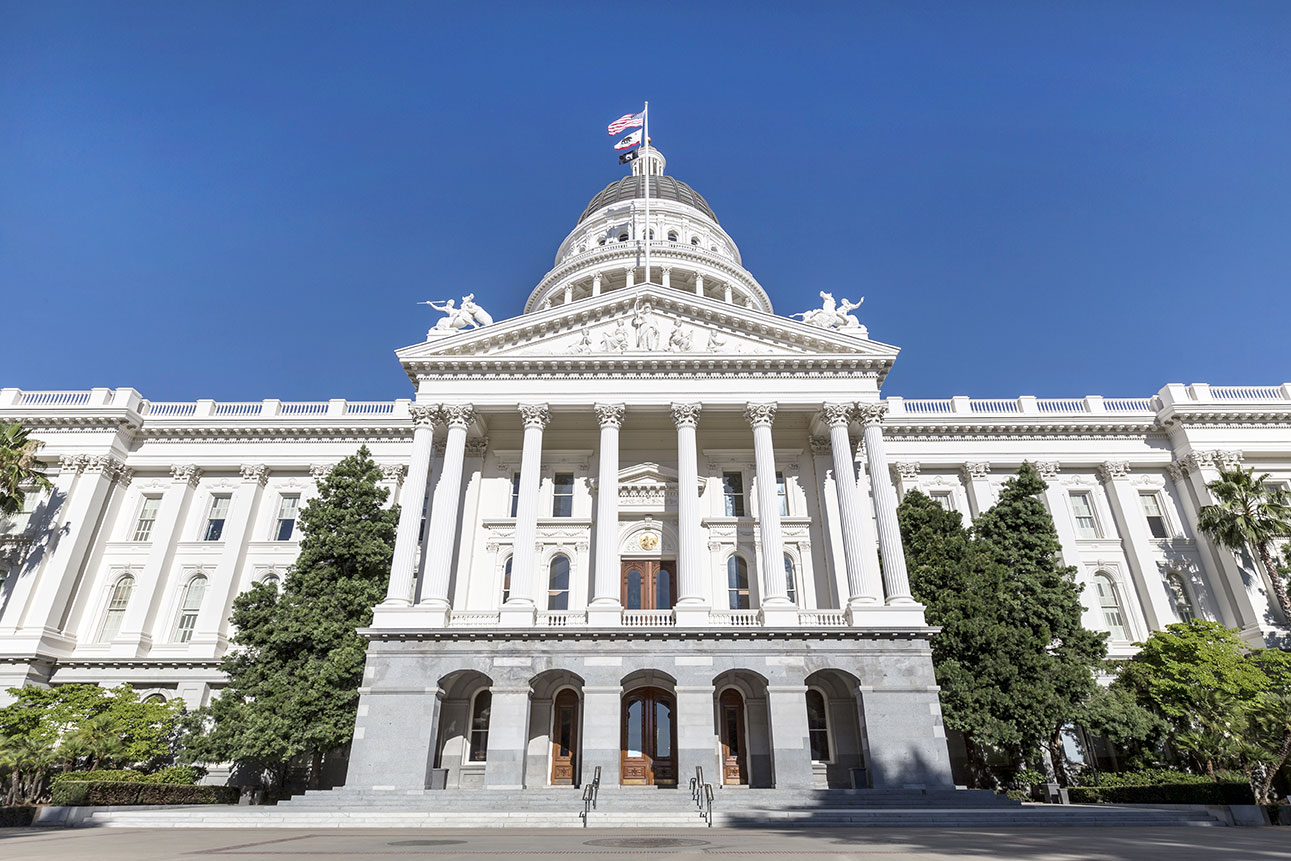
661	188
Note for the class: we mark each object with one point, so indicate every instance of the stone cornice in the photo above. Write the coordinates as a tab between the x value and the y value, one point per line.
636	635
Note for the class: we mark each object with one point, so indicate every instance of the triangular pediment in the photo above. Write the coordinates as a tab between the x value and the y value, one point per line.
647	323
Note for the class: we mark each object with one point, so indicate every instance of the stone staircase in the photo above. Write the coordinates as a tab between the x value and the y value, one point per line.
647	808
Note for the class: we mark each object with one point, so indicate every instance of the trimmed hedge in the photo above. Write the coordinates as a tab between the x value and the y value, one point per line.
76	793
1169	793
178	775
16	817
1154	777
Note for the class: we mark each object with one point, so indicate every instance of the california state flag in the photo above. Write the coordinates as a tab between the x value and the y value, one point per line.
629	141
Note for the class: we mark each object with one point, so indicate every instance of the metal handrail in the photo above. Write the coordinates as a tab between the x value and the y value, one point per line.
708	804
590	793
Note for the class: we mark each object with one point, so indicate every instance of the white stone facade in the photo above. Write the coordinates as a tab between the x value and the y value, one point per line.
663	424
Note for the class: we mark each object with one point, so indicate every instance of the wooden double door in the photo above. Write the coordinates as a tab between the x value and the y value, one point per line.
564	738
648	743
730	716
649	584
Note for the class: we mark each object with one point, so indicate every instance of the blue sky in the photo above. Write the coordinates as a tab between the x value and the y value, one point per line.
245	200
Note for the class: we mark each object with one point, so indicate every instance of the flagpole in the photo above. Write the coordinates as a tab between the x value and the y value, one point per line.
645	170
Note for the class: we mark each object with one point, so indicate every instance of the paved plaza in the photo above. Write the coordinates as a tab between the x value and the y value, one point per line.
934	844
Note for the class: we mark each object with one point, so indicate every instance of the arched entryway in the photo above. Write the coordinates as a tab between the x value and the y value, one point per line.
565	732
648	731
465	715
835	732
743	729
554	751
732	728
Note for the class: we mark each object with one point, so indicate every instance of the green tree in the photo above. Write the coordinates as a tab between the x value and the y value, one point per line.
1249	516
1115	714
293	677
19	468
1270	719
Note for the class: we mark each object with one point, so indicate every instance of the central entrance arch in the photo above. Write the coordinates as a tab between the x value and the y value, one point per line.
648	741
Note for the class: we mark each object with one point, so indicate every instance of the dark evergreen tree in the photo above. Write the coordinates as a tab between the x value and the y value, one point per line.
294	676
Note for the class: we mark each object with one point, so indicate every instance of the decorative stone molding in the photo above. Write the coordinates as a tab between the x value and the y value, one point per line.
760	414
872	414
477	446
1178	471
424	415
256	472
1200	460
73	463
535	416
1114	469
110	468
976	470
320	471
820	445
906	471
686	415
188	473
1229	459
394	472
610	415
1048	469
838	414
459	415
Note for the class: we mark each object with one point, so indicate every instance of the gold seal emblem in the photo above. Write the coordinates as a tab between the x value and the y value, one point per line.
648	541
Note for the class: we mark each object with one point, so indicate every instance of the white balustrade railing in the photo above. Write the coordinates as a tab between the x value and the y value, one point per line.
735	618
303	408
1129	405
648	619
928	407
1060	405
1246	393
168	409
54	399
822	618
994	405
369	408
473	619
1019	406
237	408
562	619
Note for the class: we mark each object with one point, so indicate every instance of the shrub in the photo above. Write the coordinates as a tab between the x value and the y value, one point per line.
106	792
1145	777
1205	792
182	775
16	817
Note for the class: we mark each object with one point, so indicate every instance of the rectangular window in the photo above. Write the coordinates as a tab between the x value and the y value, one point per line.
562	500
288	507
515	493
782	494
147	517
1086	526
733	493
942	498
1152	511
215	520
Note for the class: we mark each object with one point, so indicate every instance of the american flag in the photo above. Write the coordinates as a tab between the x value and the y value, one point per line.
627	121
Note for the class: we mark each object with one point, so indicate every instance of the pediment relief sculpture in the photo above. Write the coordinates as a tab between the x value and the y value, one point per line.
835	315
456	317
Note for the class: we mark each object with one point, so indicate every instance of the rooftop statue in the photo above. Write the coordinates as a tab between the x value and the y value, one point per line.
466	316
833	315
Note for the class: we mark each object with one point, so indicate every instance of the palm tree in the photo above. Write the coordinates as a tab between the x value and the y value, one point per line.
19	468
1250	515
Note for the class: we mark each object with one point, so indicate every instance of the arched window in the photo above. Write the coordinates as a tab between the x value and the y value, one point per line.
1179	592
558	584
506	580
694	240
480	726
623	237
601	241
155	699
790	579
737	583
272	579
1109	602
116	609
651	232
817	725
672	236
188	607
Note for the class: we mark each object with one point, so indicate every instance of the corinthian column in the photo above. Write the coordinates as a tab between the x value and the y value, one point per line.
692	609
443	513
519	609
402	566
863	587
896	582
605	608
777	609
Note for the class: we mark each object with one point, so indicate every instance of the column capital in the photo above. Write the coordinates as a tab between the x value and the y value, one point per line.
838	415
686	415
477	446
1177	470
394	472
535	415
1048	469
906	471
1196	460
257	473
459	415
872	414
1230	459
975	470
424	415
320	471
187	473
1112	470
819	444
760	414
610	415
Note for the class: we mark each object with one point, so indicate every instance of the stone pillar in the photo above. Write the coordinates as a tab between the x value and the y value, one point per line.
1206	589
777	609
1155	598
596	284
863	587
726	290
896	583
508	738
905	739
403	565
631	273
699	284
442	529
519	609
981	495
667	276
1055	499
209	636
395	733
907	478
692	605
605	608
602	719
790	742
697	734
142	608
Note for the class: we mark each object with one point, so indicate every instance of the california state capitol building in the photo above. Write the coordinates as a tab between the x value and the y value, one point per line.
648	523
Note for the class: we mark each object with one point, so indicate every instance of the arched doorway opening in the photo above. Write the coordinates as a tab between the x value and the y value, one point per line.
835	731
648	731
553	754
743	729
465	715
734	735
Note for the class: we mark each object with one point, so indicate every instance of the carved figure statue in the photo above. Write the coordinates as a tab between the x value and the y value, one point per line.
679	339
478	314
715	341
584	344
831	315
616	341
466	316
647	331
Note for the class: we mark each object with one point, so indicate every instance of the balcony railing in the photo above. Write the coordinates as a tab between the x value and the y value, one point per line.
562	619
822	618
473	619
648	619
735	618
